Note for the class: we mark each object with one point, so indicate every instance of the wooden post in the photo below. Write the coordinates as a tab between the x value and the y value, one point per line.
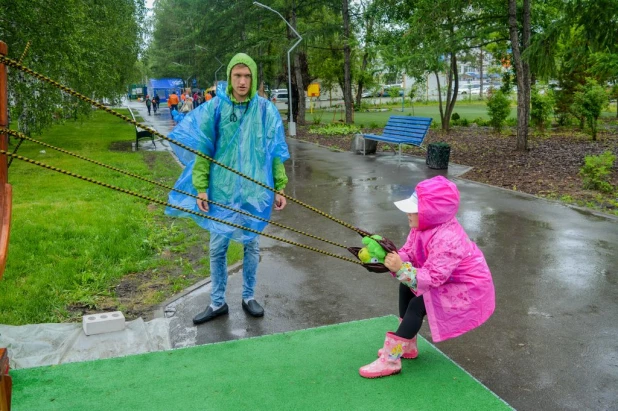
5	381
5	188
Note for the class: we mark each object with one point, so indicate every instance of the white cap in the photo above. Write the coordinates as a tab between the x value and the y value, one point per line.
409	205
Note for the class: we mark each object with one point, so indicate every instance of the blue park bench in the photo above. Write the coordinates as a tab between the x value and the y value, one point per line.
402	130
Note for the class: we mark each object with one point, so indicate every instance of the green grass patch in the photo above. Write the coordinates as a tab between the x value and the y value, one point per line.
468	110
313	369
72	242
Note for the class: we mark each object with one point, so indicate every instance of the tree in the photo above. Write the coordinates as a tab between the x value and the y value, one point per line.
520	41
590	100
430	36
88	46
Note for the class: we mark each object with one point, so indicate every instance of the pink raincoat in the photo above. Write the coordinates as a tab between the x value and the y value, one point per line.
452	274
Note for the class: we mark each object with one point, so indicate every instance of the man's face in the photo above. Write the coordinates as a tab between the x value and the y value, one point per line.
241	81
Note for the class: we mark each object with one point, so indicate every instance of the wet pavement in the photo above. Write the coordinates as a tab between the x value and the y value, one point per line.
552	343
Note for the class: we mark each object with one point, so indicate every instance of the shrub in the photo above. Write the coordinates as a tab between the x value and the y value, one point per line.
498	108
511	122
480	122
596	170
317	116
541	108
455	117
335	129
589	100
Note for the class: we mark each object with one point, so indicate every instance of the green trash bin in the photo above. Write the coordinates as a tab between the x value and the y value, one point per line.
438	155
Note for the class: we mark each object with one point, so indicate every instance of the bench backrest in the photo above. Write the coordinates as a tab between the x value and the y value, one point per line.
409	128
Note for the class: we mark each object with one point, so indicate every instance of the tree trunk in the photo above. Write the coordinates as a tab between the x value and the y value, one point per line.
481	72
300	112
593	127
361	82
522	71
298	86
347	72
439	97
452	99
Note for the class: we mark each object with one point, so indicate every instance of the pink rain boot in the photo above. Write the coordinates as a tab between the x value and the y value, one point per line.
412	351
389	362
409	354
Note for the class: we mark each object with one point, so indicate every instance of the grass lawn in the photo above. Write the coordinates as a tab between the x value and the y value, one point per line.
466	109
73	242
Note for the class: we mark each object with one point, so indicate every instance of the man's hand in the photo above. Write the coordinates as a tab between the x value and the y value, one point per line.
202	202
393	262
280	201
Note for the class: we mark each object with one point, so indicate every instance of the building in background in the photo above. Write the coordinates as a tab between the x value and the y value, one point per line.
163	87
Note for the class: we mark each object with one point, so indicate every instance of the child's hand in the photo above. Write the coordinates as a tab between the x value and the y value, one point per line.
393	262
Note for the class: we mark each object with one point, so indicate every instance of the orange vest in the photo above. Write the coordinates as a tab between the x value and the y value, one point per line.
172	99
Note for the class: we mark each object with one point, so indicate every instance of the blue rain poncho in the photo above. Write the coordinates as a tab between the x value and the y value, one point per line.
249	145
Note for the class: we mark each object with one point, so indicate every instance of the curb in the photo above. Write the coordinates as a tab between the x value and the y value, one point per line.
159	310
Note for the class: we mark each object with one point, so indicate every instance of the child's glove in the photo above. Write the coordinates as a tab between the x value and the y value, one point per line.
407	275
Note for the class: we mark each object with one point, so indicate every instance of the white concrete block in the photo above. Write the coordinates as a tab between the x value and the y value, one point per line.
103	323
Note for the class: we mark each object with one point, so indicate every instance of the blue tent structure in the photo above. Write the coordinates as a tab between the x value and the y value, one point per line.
163	87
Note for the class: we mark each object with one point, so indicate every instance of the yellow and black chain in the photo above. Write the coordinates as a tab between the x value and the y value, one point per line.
21	59
23	55
163	203
23	137
15	64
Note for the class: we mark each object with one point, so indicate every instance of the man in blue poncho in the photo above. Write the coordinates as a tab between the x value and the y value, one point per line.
244	131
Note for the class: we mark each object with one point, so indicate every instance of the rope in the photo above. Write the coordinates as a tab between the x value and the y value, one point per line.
24	53
163	203
17	65
24	137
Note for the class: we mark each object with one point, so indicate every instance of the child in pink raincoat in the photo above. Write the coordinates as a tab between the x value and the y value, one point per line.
443	275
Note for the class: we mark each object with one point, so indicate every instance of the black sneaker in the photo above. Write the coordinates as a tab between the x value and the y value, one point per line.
253	308
210	314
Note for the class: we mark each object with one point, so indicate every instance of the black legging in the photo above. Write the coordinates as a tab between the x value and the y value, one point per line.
412	310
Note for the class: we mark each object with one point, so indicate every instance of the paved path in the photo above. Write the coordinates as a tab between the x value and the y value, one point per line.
552	342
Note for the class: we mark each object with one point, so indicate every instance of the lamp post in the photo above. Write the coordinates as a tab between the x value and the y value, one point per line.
217	70
291	124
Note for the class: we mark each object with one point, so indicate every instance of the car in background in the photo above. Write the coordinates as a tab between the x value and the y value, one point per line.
279	96
366	94
472	89
386	90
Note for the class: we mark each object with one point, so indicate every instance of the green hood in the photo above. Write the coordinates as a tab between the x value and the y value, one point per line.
242	58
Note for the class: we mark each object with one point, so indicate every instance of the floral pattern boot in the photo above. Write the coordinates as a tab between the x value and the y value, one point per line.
409	354
389	362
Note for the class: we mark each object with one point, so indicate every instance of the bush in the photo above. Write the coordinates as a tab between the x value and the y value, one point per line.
480	122
589	100
498	108
596	171
541	108
335	129
317	116
455	117
463	122
511	122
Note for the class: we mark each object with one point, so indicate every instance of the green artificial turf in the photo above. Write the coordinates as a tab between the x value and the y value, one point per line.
313	369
